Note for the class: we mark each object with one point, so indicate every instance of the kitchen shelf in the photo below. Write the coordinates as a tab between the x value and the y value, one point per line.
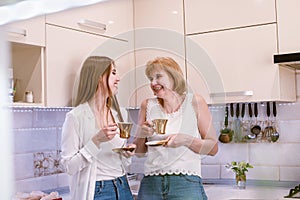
28	71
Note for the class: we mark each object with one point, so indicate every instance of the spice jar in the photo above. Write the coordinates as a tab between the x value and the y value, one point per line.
29	96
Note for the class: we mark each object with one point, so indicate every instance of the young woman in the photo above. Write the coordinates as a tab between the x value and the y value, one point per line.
173	170
90	132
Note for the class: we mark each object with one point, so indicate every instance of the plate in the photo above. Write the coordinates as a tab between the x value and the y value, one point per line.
156	143
118	150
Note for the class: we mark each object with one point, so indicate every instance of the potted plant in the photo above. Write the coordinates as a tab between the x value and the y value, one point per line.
226	133
240	169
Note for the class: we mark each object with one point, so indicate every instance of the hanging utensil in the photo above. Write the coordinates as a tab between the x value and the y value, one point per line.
231	115
242	122
237	124
256	129
269	129
275	134
251	135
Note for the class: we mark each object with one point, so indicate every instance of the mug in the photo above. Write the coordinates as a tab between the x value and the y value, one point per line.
125	129
160	125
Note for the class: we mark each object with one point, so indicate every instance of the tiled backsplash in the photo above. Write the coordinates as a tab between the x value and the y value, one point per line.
37	134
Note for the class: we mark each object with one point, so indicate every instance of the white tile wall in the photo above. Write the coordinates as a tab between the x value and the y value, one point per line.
290	173
36	130
39	130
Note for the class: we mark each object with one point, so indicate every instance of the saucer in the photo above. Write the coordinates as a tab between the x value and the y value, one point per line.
118	150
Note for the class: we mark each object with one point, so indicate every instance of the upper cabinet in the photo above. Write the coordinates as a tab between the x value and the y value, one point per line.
236	61
31	31
230	47
204	16
288	16
159	31
63	62
28	71
69	43
108	18
27	44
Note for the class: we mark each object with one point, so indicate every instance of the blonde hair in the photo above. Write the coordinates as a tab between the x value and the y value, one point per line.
173	70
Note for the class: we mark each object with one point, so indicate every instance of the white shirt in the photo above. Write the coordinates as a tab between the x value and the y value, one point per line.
166	160
84	161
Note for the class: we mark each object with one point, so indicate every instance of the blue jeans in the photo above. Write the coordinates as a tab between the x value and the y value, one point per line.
117	189
171	187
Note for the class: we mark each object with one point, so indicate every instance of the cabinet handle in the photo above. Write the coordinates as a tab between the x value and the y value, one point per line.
92	24
223	94
17	31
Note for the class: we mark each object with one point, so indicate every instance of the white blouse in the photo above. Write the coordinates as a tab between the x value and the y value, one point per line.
166	160
84	161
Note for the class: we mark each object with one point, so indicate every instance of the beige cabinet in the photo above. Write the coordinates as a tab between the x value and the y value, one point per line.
108	18
28	71
66	51
204	16
288	26
159	32
27	48
31	31
236	61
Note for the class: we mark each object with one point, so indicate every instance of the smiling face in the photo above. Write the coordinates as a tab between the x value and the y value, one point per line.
165	75
108	82
160	82
113	80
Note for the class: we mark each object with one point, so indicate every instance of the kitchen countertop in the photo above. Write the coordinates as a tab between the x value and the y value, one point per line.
259	190
226	190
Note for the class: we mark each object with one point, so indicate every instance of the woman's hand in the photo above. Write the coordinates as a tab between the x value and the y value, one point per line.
128	154
145	130
177	140
105	134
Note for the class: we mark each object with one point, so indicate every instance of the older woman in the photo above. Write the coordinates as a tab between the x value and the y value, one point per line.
173	170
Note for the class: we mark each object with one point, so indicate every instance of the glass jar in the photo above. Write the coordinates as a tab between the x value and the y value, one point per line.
29	96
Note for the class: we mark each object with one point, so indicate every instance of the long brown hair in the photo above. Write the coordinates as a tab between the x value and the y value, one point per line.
92	69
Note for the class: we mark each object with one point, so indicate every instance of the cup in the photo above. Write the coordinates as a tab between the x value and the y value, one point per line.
125	129
160	125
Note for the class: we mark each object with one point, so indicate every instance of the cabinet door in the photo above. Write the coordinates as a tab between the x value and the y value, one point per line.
116	15
66	50
31	31
242	61
288	26
166	14
159	32
203	15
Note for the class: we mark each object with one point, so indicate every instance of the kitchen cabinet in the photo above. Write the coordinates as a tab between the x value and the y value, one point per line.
241	60
31	31
205	16
69	42
28	71
116	16
27	47
66	51
288	26
159	31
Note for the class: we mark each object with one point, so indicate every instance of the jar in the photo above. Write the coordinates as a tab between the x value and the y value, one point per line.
29	96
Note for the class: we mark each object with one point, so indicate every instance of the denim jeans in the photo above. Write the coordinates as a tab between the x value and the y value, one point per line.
171	187
117	189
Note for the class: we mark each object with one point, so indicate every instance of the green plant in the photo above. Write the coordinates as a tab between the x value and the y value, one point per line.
240	168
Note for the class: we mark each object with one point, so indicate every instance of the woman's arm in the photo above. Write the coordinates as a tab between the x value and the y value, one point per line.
144	129
208	144
73	158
